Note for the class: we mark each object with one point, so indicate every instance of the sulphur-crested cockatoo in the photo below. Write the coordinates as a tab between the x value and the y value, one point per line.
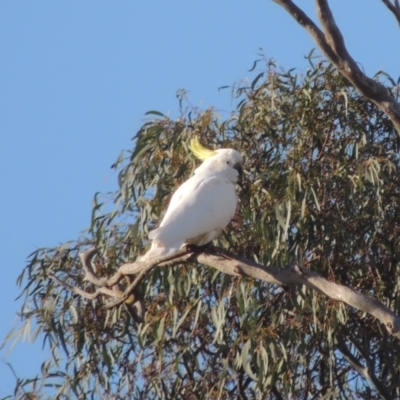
202	206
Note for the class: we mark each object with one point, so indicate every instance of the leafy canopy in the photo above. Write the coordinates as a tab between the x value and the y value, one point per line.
321	185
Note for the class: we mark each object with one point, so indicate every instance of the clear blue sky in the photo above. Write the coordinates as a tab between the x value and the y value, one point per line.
77	77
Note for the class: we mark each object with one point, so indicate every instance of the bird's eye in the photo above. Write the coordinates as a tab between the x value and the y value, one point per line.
228	162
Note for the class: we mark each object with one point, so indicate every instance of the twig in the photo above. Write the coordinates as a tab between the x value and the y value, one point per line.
81	292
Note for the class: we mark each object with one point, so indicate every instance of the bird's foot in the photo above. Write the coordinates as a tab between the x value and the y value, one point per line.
199	249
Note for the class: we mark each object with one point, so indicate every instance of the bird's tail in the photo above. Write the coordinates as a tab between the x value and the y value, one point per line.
156	250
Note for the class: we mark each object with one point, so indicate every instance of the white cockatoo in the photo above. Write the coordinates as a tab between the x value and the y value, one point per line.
203	205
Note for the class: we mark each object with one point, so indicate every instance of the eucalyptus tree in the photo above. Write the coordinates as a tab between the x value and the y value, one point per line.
296	299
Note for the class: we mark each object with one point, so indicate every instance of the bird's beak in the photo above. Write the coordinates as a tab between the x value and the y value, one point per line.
239	169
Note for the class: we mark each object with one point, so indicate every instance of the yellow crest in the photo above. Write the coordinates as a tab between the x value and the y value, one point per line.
199	151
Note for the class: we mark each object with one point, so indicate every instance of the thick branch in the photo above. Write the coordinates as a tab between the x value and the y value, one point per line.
231	264
393	7
333	36
292	275
332	44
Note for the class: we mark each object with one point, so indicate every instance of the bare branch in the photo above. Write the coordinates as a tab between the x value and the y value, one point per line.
332	44
306	22
86	258
293	275
142	271
231	264
109	285
366	372
393	7
81	292
333	35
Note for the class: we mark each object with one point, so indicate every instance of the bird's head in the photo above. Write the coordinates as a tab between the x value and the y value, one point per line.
228	161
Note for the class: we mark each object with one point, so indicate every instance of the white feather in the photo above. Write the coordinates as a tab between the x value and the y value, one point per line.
201	207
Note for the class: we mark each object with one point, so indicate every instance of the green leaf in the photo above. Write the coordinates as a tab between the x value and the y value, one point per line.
246	360
153	112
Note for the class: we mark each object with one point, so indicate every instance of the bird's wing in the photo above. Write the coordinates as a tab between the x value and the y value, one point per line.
198	207
186	187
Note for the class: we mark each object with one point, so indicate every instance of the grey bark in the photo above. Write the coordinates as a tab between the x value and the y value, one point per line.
290	275
331	43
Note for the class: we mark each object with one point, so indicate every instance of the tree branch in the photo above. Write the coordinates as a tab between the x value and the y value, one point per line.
110	285
294	275
81	292
231	264
147	267
393	7
366	372
332	44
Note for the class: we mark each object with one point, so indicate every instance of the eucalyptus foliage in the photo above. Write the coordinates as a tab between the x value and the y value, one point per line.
321	186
